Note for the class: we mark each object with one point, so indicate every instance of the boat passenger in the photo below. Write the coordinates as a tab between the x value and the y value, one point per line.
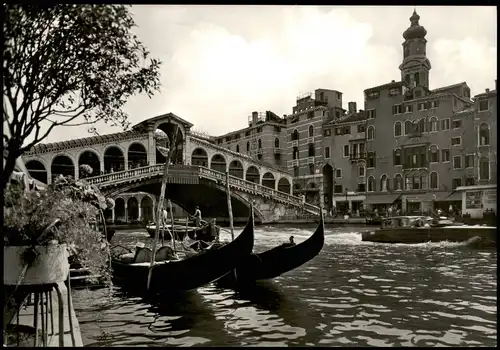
290	243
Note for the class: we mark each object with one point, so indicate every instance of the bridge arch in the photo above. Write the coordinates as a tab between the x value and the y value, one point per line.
147	209
170	127
89	157
119	209
236	168
284	185
62	164
37	170
132	209
137	155
218	163
253	174
114	158
268	180
199	157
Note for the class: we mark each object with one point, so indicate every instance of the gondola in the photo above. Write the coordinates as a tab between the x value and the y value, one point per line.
274	262
207	232
187	274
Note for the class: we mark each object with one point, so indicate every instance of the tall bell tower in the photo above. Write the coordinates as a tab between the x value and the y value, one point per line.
416	66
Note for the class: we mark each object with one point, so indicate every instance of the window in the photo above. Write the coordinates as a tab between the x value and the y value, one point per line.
371	184
398	182
327	132
277	142
397	129
433	180
259	129
456	124
248	146
311	150
260	143
456	141
361	187
455	183
238	148
409	182
277	128
327	152
484	169
445	124
338	131
408	108
469	181
247	133
483	105
371	113
338	188
361	128
371	132
384	183
457	162
407	127
445	155
421	125
433	154
422	106
295	153
361	171
394	92
484	134
434	124
415	157
295	171
311	131
469	161
346	130
310	114
295	135
397	157
370	160
434	104
338	173
311	169
397	109
346	150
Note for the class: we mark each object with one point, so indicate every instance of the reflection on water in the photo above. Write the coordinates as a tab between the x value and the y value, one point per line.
352	294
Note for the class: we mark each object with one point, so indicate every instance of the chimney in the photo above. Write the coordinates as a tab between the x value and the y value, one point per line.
352	107
255	117
487	90
393	81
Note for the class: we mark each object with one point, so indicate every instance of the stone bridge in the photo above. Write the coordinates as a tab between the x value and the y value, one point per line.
190	185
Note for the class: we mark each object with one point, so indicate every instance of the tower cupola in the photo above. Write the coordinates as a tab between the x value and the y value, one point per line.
415	31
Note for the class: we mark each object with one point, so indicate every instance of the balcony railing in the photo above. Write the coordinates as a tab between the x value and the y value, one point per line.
310	160
310	140
295	143
357	156
277	150
294	163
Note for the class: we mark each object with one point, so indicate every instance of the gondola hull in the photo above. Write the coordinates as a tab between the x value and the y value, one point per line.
274	262
203	233
189	273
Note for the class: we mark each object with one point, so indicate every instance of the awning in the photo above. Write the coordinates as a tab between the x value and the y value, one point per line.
381	199
422	197
441	196
454	197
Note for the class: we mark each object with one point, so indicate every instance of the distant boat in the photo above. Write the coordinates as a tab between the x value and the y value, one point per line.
190	273
275	262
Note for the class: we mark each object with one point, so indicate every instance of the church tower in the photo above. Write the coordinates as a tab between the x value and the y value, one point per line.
415	67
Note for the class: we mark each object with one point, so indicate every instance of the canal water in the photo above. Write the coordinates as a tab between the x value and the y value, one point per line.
352	294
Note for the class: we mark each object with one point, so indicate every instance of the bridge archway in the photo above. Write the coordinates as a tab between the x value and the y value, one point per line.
63	165
113	159
284	185
199	157
37	170
328	186
236	169
92	159
218	163
132	209
253	174
137	155
170	129
147	209
268	180
120	209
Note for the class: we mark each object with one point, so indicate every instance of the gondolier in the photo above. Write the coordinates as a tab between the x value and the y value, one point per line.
197	216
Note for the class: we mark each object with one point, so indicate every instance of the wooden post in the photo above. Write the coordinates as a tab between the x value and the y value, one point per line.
187	223
160	204
172	234
229	206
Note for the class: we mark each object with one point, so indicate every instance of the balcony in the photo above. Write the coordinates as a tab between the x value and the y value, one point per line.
310	140
259	151
293	163
415	166
277	150
357	156
310	160
295	143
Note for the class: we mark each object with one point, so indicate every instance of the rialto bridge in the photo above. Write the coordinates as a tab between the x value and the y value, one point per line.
130	162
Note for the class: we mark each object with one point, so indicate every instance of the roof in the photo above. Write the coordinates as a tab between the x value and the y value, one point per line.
164	116
449	87
392	84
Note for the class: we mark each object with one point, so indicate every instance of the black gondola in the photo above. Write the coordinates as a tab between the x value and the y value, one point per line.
191	272
274	262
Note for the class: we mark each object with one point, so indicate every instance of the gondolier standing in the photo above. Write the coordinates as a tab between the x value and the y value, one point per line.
197	216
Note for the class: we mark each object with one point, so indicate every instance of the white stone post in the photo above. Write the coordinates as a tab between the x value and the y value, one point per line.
126	213
113	215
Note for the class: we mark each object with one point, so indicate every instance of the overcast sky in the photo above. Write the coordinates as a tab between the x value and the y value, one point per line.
220	63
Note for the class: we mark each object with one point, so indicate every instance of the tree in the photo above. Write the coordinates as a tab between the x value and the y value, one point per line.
68	65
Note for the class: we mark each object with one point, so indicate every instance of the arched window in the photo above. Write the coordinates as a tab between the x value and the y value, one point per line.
484	134
238	148
421	125
384	183
397	157
311	150
433	180
260	143
370	160
484	168
407	127
311	131
409	182
398	182
371	184
397	129
248	146
277	142
295	135
371	132
295	153
434	124
433	154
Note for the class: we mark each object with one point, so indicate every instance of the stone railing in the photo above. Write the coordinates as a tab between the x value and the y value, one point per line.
191	170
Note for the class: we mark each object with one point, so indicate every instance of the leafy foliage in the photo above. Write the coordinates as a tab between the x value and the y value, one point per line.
69	61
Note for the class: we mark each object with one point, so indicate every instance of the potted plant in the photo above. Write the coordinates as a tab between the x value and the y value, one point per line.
43	228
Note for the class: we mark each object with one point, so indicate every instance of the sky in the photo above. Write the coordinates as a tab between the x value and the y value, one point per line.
220	63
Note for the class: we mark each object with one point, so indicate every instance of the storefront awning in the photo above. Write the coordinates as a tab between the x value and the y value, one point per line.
454	197
381	199
422	197
441	196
